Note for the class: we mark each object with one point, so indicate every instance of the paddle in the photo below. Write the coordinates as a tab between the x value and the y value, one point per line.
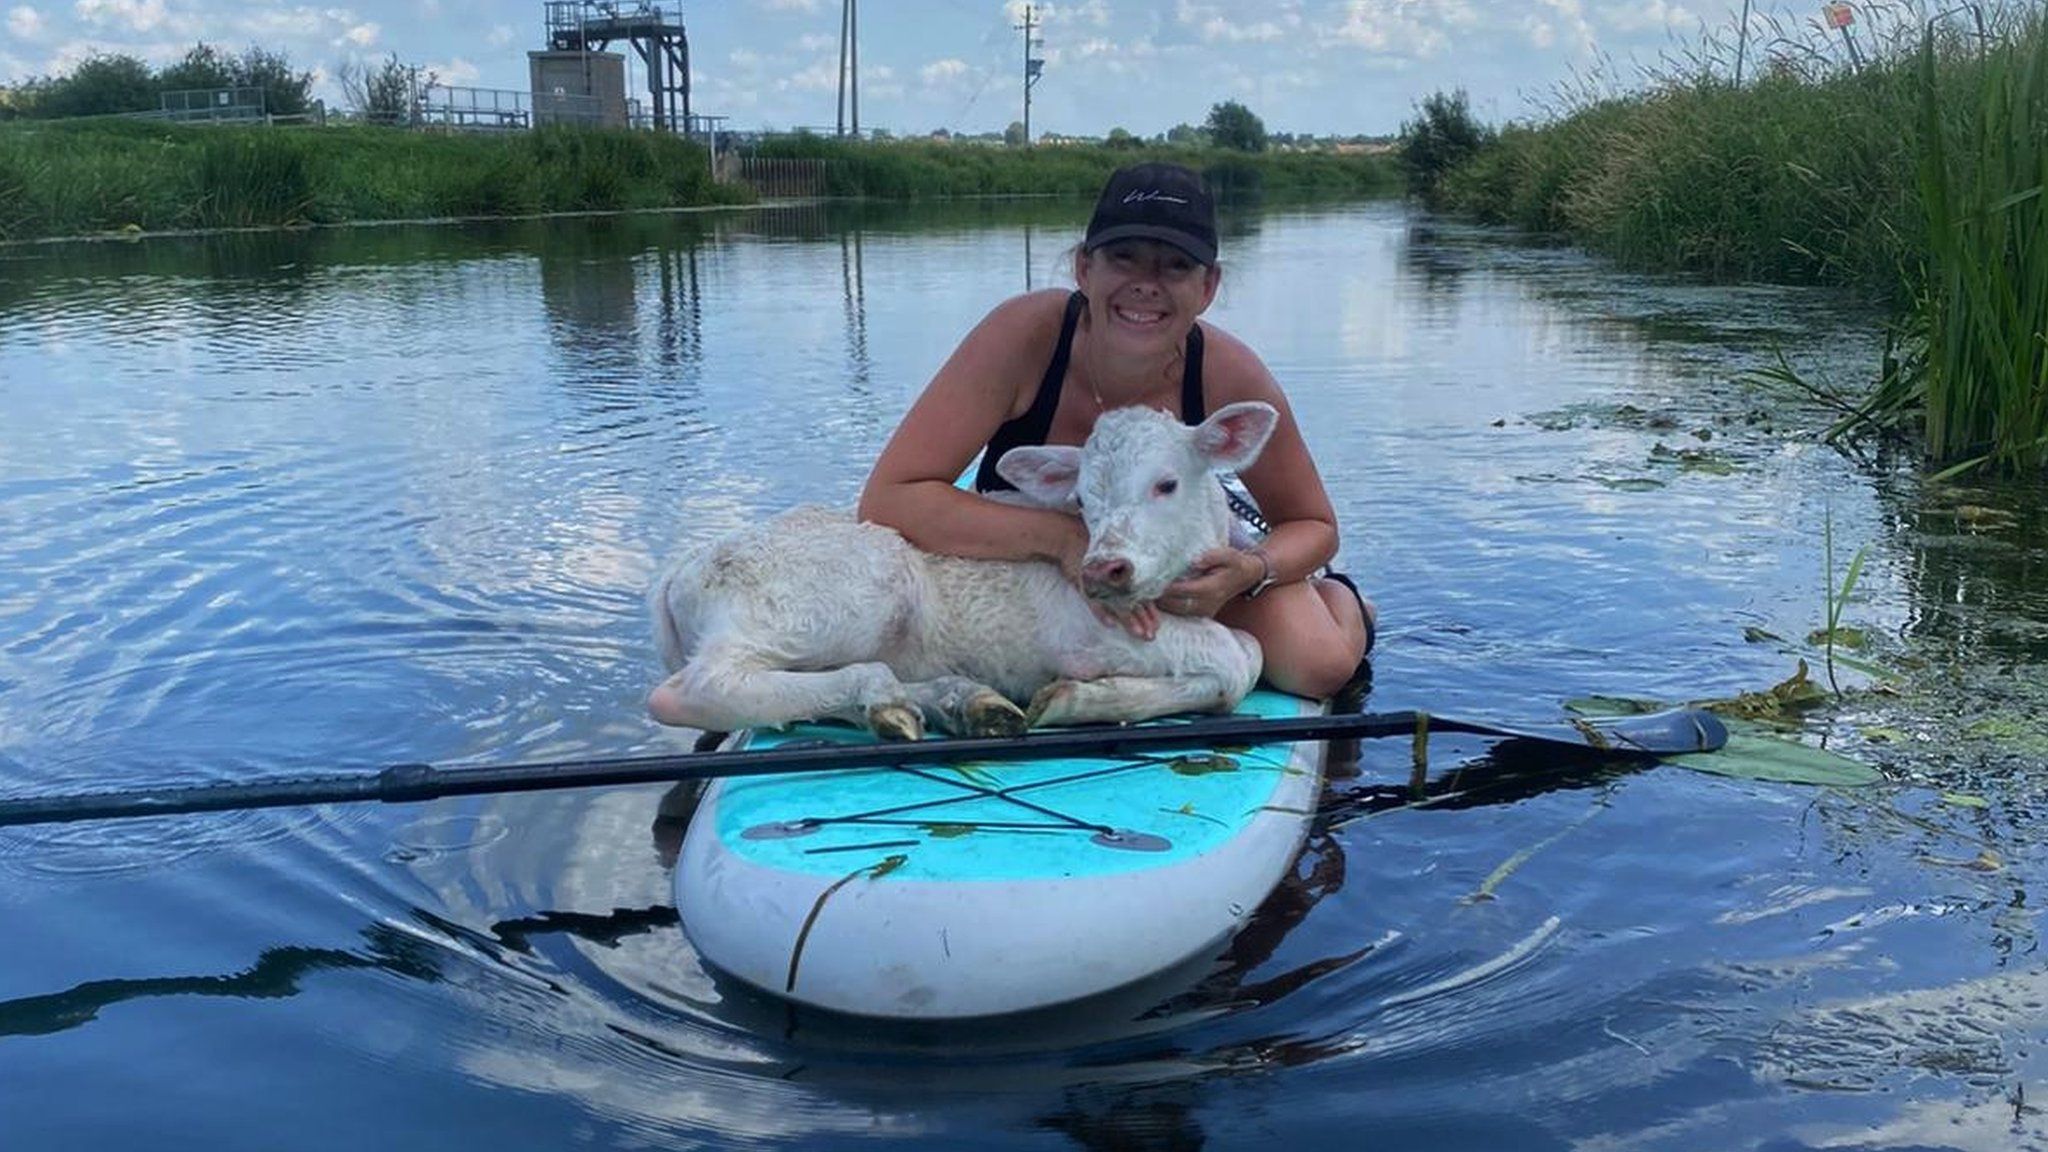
1678	730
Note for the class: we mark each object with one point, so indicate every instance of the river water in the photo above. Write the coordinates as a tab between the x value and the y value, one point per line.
311	502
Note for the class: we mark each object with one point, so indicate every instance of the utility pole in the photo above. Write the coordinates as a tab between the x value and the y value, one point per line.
1033	67
849	50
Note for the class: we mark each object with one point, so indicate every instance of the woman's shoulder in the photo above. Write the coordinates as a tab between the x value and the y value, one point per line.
1036	309
1231	370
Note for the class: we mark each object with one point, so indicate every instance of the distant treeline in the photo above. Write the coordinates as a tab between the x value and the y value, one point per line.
915	169
108	85
69	178
1912	169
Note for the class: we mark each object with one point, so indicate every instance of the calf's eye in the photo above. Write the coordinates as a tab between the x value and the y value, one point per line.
1166	488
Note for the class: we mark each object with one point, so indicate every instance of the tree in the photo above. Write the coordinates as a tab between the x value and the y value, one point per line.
383	94
102	85
1014	134
203	67
1186	134
1121	139
1232	125
285	92
1442	136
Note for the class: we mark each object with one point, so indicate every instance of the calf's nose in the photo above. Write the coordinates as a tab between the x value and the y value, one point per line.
1110	573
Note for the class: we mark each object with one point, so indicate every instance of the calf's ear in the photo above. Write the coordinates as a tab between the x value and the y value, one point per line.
1045	474
1233	437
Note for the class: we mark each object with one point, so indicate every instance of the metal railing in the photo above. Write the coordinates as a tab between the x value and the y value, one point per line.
192	105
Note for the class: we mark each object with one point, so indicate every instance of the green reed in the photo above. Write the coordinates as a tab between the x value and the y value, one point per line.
1782	179
1916	177
931	169
1975	338
60	179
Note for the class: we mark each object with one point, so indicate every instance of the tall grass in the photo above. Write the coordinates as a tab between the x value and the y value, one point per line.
926	169
59	179
1977	333
1917	176
1781	179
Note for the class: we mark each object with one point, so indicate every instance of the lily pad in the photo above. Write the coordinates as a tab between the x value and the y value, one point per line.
1844	635
1790	695
1703	460
1752	753
1202	764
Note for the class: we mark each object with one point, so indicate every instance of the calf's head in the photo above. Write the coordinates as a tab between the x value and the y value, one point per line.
1143	486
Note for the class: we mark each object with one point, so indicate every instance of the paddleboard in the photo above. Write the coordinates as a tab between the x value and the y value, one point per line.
970	890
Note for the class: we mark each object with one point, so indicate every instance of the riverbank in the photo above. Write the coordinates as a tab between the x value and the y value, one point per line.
1912	173
84	178
68	179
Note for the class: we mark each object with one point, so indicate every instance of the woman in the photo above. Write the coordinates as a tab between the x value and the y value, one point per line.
1042	366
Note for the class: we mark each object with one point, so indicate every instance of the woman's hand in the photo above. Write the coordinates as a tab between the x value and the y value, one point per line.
1217	577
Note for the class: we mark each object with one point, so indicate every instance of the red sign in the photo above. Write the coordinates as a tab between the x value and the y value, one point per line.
1838	15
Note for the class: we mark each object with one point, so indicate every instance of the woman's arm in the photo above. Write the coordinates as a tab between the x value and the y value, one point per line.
1284	481
990	378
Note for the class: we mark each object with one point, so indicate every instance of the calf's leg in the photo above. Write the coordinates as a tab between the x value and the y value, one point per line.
1128	699
724	693
963	707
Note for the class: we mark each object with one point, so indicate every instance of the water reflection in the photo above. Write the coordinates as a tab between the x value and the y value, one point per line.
309	499
278	972
853	288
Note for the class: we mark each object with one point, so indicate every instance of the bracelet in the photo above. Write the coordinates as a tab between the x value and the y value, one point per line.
1266	580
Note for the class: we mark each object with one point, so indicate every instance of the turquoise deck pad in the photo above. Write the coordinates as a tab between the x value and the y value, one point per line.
1042	825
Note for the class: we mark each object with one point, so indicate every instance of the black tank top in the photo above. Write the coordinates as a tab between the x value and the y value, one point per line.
1032	426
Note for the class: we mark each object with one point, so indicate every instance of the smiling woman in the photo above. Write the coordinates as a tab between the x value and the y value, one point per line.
1129	335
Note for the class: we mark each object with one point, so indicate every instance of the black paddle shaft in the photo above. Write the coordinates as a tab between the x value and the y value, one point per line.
1655	734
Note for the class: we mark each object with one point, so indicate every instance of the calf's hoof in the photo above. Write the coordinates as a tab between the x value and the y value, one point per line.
1052	703
895	721
989	713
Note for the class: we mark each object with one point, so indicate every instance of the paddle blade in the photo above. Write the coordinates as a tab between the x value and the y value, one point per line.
1671	732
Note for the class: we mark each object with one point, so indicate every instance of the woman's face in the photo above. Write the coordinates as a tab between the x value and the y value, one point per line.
1145	292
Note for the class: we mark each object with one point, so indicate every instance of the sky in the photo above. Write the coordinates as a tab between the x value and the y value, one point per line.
1342	67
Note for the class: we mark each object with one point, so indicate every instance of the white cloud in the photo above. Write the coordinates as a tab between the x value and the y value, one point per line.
132	15
24	23
457	71
943	71
1221	29
1094	12
1228	23
823	76
1415	28
361	35
1646	16
501	35
788	5
1571	15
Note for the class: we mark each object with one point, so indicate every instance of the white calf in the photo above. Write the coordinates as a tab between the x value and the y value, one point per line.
813	614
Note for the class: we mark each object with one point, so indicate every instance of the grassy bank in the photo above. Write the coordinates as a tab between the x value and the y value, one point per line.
83	177
61	179
1917	176
926	169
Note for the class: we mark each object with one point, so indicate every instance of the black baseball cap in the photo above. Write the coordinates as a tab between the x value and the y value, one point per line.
1156	201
